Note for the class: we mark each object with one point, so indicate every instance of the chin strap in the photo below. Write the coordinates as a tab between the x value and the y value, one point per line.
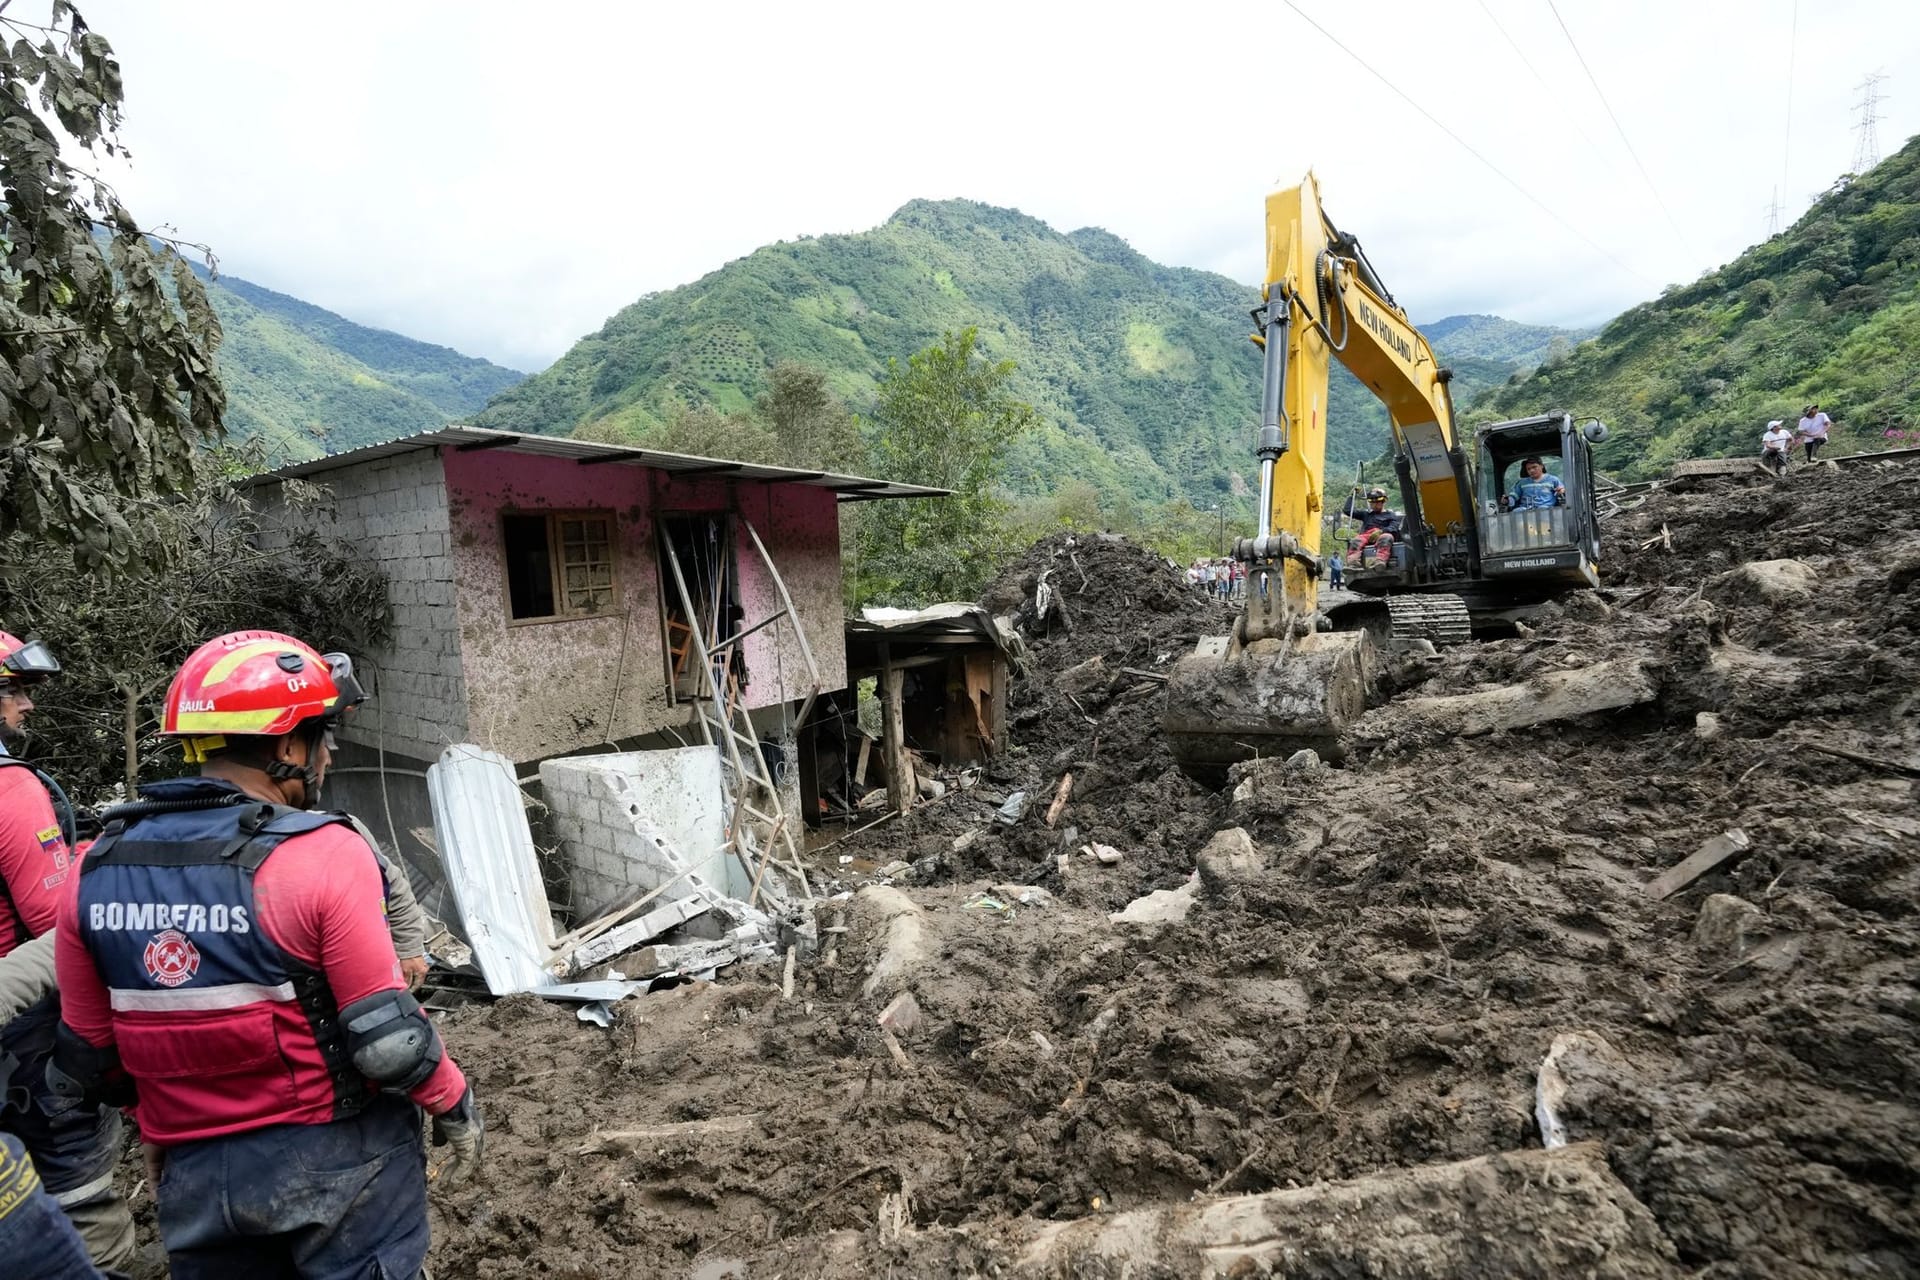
281	771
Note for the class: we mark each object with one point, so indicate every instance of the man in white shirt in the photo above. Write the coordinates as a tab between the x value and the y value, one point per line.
1774	447
1813	429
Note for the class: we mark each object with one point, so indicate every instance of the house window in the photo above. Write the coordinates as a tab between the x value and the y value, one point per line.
559	564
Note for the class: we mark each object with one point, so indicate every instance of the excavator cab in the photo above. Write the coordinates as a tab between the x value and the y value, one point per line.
1554	546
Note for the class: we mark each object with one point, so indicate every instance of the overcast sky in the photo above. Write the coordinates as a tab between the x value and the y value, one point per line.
501	178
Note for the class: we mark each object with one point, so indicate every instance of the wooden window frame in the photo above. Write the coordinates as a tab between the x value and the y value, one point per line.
555	565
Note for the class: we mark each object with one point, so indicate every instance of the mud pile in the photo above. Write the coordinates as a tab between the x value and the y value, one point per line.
1087	702
1378	959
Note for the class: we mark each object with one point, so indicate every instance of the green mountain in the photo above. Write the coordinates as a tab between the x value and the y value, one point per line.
1827	311
1142	374
310	381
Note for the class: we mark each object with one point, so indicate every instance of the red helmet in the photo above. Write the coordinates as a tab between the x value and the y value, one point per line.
255	683
22	661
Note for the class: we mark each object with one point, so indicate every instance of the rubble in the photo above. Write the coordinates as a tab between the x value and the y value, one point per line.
1341	1049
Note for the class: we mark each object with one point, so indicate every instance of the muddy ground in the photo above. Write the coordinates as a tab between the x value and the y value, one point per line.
1366	985
1373	989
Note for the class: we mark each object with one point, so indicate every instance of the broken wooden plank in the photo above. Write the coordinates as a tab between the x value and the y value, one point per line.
1871	762
1060	795
860	769
625	937
1709	855
1138	674
601	1141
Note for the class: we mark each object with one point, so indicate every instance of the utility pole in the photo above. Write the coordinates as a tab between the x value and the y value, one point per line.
1866	145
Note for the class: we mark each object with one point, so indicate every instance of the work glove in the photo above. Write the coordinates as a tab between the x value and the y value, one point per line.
461	1130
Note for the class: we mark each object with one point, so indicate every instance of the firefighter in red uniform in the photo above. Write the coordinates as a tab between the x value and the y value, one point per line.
74	1148
226	971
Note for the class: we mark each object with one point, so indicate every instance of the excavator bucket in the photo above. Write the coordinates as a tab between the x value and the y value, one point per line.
1273	697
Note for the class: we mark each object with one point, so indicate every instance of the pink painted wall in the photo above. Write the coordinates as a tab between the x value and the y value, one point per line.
538	688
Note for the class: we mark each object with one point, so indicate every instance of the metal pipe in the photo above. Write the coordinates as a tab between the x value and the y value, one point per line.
1274	427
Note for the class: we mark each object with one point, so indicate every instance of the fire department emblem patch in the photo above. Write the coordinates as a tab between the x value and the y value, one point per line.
171	958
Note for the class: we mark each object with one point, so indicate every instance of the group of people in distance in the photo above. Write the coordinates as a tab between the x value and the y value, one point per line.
1776	444
1222	577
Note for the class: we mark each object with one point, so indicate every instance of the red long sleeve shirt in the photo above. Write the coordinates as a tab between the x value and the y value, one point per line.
319	897
33	858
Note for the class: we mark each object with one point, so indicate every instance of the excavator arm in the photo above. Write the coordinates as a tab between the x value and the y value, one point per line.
1323	302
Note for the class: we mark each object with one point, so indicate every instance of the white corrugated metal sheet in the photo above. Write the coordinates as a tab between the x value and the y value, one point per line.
492	870
589	452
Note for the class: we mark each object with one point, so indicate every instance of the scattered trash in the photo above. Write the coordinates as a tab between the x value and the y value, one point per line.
1013	810
1104	854
965	839
895	869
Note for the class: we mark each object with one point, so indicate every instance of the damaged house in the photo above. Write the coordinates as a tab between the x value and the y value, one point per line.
554	597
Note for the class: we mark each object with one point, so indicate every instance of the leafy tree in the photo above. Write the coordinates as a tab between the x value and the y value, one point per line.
709	433
207	569
810	425
945	418
107	378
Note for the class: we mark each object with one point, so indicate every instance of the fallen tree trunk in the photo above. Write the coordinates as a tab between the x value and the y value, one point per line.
1524	1213
1557	695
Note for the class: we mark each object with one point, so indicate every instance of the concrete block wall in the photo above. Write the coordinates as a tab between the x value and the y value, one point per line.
631	821
394	510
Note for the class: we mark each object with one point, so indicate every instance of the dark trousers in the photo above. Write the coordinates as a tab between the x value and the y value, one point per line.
339	1201
75	1149
35	1237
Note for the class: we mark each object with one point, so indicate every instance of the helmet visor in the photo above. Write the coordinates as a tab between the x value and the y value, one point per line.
340	667
31	661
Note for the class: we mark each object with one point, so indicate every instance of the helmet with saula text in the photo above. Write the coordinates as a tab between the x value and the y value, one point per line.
255	684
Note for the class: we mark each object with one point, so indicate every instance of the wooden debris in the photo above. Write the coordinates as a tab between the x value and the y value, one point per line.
603	1141
1060	794
1871	762
893	1047
786	980
1710	855
1138	674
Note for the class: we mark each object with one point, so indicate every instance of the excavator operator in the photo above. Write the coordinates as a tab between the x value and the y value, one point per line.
1379	528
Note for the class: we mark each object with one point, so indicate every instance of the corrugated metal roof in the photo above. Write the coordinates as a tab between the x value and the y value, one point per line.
592	453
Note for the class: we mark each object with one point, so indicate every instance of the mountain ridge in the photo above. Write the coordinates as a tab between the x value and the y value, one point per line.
308	380
1141	372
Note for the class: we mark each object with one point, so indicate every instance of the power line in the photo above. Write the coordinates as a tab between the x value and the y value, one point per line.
1553	94
1468	147
1645	177
1866	149
1773	214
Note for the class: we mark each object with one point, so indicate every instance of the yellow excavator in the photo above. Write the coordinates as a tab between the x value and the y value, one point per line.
1473	554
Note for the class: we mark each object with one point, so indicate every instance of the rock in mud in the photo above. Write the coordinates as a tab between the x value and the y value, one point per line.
1725	924
1162	906
1764	582
1229	860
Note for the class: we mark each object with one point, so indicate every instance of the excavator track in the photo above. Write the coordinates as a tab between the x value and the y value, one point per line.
1444	620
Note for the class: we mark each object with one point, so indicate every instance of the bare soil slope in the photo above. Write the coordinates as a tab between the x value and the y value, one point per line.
1365	989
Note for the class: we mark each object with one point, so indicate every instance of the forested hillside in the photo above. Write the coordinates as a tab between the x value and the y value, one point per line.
1142	374
1827	311
308	381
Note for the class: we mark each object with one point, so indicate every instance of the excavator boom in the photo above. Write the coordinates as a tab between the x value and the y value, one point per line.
1283	679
